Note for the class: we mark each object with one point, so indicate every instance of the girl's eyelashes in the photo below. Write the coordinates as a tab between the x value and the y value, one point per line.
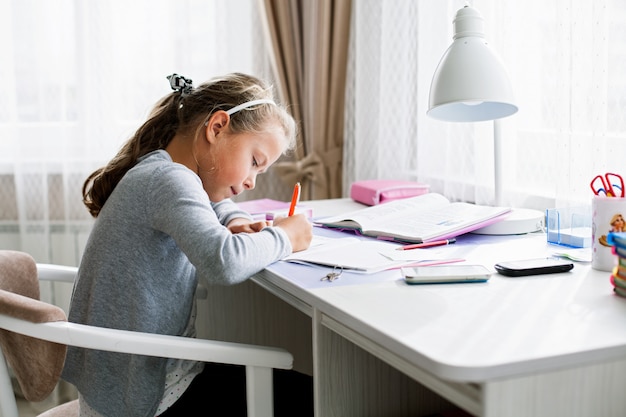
254	162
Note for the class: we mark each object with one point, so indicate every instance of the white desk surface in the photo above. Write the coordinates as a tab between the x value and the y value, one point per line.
474	332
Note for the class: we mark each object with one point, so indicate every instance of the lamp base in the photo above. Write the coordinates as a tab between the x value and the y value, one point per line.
517	222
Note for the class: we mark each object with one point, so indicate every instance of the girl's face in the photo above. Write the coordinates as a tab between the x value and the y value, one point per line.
234	160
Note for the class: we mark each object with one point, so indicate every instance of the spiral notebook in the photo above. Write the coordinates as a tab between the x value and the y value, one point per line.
366	255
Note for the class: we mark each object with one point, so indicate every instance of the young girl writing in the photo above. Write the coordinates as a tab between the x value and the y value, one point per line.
164	222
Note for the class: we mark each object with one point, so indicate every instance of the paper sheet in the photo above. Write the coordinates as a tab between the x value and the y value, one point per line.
366	256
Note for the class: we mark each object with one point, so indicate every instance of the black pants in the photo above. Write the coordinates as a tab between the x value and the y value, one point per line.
220	390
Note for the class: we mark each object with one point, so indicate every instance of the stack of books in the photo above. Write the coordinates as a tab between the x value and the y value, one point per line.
618	278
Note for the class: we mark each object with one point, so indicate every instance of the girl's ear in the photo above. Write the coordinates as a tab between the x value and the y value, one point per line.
217	124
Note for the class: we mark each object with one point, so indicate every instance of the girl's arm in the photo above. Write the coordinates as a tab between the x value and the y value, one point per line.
237	220
227	211
181	209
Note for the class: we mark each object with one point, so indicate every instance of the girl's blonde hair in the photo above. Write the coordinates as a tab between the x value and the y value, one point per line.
186	110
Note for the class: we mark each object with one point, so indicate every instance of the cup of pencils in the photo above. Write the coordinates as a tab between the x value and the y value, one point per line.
608	214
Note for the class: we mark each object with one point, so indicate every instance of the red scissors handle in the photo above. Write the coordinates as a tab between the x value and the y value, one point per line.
615	184
598	186
611	185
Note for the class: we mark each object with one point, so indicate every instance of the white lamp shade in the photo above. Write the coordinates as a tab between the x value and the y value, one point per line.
470	83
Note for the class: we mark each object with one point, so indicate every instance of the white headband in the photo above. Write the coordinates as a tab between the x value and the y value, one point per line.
249	104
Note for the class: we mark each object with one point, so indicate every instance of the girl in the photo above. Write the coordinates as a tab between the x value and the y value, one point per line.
164	221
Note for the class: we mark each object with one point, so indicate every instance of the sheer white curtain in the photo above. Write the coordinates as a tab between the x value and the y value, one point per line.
566	60
77	78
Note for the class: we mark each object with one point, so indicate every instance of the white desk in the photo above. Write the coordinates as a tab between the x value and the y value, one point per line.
552	345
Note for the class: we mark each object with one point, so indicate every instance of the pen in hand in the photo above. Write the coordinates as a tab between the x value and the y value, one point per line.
428	244
294	199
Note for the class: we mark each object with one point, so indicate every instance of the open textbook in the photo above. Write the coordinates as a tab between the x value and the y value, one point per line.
417	219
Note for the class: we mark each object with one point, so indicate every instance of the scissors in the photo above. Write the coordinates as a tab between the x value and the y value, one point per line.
611	185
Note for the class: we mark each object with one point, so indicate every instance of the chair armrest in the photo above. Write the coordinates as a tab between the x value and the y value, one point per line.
125	341
60	273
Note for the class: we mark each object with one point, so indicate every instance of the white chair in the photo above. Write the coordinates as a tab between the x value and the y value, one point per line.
34	336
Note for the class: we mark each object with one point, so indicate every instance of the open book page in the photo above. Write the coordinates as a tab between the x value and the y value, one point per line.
447	221
380	216
417	219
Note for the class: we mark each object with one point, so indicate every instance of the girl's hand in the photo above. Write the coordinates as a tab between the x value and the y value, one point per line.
246	226
299	230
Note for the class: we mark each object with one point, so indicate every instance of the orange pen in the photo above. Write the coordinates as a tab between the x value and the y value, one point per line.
294	198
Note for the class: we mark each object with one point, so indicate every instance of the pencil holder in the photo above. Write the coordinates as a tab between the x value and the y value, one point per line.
607	215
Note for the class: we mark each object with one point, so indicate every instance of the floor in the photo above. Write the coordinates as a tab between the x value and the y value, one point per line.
62	393
25	409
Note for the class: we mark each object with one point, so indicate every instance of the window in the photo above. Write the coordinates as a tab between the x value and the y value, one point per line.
78	78
566	60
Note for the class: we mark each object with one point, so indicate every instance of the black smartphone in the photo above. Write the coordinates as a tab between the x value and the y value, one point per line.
536	266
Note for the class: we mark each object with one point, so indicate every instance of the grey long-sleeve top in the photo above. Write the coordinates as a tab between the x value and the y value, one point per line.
155	238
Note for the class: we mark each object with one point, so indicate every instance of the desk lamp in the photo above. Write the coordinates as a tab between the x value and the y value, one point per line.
470	84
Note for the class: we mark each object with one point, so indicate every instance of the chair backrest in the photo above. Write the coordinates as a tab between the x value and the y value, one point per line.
36	363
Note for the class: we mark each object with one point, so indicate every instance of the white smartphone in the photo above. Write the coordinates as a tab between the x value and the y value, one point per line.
440	274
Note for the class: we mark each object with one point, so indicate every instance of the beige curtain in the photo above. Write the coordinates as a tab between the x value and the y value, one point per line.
310	50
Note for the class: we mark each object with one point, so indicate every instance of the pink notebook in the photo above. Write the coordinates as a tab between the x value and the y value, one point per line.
268	209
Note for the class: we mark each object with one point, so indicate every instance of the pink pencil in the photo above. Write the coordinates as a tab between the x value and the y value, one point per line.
428	244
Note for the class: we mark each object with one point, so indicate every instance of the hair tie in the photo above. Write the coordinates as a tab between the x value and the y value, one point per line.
180	84
247	104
